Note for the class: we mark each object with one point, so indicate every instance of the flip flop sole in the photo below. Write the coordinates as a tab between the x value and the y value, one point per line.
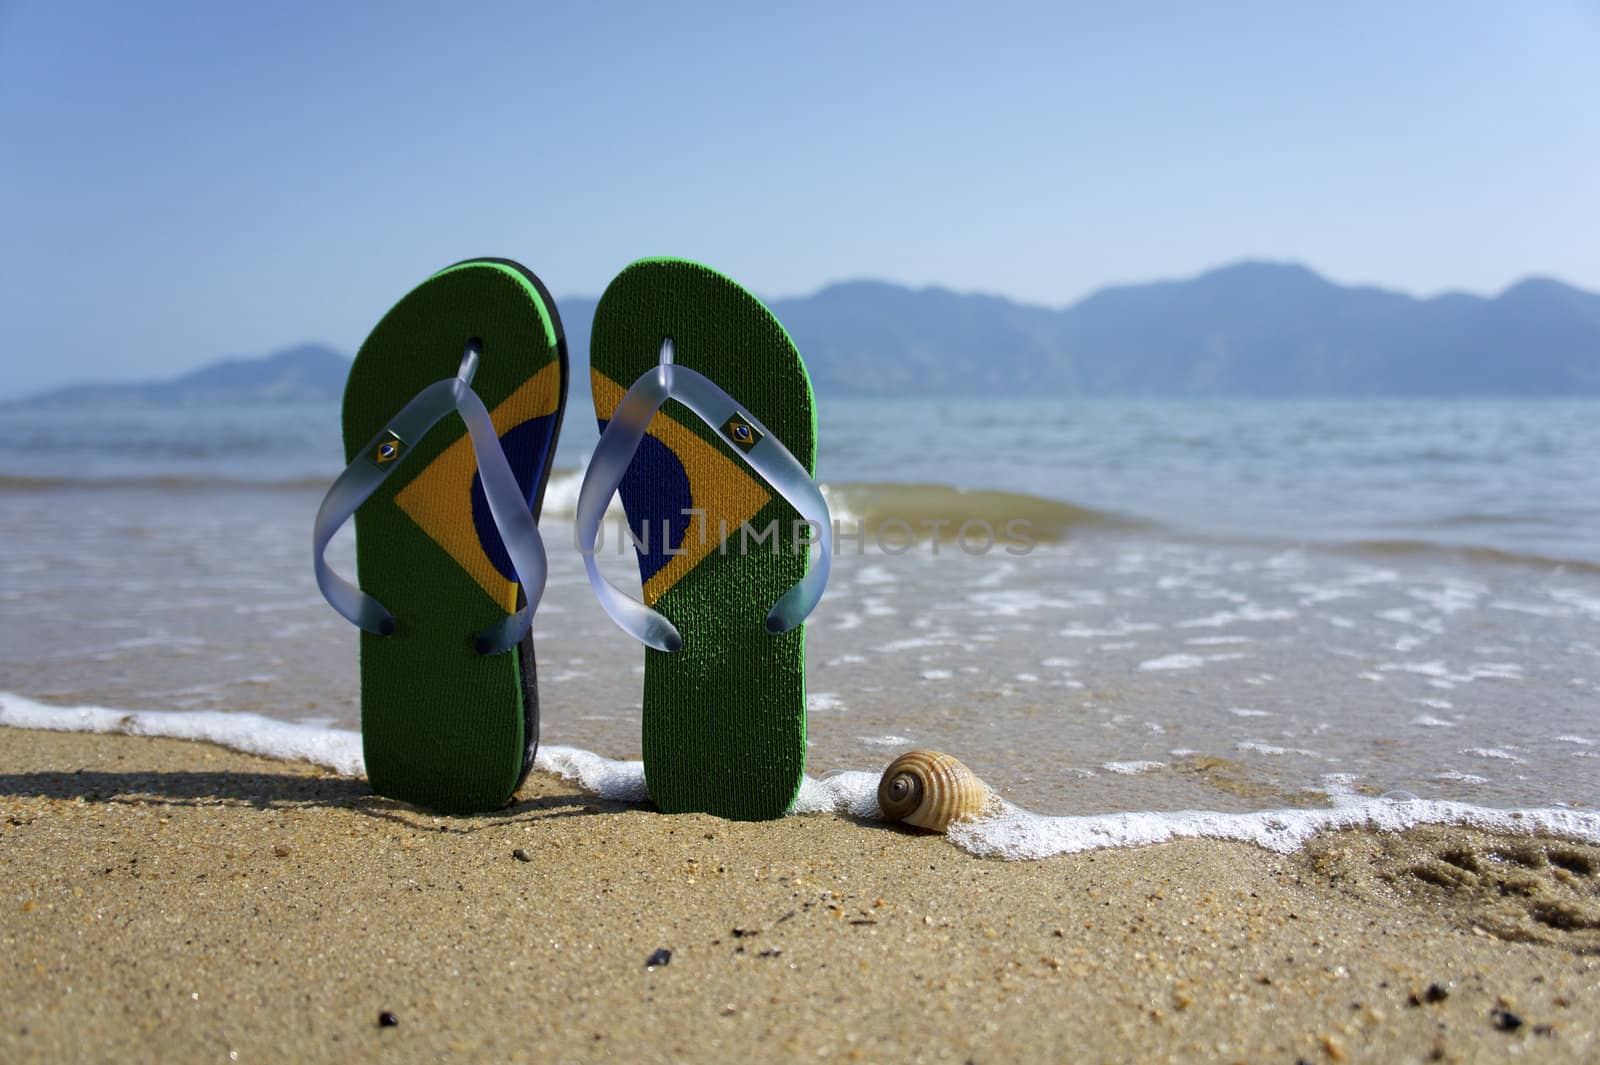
724	718
443	726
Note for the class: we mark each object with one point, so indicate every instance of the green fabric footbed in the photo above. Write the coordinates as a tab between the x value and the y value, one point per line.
724	729
443	726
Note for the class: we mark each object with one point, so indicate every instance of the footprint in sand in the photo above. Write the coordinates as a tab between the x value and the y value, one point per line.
1519	888
1535	890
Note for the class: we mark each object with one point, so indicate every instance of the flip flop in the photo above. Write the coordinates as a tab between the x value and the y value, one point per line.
708	428
448	555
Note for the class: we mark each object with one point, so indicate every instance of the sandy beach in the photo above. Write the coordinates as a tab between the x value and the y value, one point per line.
1183	417
174	901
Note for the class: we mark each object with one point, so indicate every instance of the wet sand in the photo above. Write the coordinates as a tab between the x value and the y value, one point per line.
172	901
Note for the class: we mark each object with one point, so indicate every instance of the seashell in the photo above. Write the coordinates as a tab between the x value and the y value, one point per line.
930	790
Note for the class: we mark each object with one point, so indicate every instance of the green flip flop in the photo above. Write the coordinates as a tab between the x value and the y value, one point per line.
447	552
708	430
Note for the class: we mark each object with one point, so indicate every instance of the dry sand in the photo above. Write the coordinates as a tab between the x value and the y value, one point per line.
170	901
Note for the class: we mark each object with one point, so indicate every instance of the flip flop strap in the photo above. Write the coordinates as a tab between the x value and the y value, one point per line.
507	505
762	452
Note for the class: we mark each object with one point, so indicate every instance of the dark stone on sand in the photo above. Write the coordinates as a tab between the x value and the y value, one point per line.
1434	993
658	959
521	855
1506	1021
387	1019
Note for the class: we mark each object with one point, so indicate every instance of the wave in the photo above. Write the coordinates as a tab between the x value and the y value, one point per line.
893	512
920	510
1402	548
335	749
1017	834
941	509
1480	519
165	482
896	511
1005	831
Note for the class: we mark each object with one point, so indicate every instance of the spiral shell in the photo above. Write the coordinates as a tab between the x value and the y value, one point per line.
930	790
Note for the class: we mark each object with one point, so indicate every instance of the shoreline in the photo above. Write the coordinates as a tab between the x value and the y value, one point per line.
1006	831
169	900
1105	674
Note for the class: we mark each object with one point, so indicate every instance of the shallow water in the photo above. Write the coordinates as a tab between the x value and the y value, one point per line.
1227	605
1513	476
1117	669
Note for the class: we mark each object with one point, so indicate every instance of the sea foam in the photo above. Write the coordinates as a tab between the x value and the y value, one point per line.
1008	831
335	749
1014	833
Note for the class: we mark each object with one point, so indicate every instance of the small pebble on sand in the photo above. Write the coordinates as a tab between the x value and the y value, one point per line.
1506	1021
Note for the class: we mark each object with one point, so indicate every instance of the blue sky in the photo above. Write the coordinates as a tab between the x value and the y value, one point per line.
183	182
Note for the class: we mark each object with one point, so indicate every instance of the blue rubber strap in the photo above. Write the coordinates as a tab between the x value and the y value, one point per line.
512	518
507	505
766	456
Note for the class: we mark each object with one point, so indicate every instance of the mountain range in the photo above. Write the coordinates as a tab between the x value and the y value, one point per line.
310	373
1249	329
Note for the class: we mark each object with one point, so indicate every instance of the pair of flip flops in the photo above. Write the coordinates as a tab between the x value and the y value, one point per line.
708	431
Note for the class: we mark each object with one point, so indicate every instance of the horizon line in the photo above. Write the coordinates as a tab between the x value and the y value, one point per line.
1232	264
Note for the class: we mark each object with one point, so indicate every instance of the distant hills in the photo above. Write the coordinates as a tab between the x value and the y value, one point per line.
1254	329
306	374
1250	329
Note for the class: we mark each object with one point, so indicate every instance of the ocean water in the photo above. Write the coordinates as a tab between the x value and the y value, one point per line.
1227	618
1515	476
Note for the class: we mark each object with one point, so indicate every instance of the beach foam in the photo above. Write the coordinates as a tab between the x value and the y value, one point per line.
1183	661
335	749
1015	834
1009	832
